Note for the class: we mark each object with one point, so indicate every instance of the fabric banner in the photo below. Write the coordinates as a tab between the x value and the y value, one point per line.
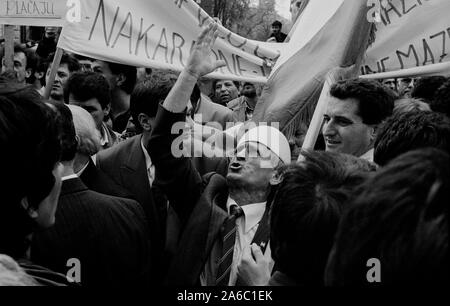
160	34
339	39
410	33
34	12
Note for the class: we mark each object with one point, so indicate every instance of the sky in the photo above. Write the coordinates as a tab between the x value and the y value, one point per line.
282	7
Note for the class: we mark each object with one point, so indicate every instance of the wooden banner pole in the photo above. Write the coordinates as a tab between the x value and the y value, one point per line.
9	47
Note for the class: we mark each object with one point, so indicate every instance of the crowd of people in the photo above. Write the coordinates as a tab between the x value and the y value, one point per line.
94	193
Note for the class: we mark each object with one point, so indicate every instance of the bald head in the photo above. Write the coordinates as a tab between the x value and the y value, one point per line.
87	134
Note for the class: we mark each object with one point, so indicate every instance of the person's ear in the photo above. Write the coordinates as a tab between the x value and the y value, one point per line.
121	78
30	210
373	132
144	121
28	73
38	75
77	139
276	178
106	110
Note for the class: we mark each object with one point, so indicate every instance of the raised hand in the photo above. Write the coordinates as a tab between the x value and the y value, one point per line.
200	61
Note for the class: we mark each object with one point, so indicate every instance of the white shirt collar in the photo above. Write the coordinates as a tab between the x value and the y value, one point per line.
148	164
148	161
368	155
104	136
253	213
69	177
79	173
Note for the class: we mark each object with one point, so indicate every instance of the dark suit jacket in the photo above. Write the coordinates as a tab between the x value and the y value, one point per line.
125	165
200	204
96	180
107	234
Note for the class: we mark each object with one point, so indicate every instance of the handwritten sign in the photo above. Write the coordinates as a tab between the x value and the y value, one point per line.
411	33
161	34
33	13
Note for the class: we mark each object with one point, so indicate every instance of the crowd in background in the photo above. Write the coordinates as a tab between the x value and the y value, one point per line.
89	174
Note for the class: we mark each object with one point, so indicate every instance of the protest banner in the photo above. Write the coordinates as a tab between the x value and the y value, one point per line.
334	37
160	34
33	12
409	39
410	33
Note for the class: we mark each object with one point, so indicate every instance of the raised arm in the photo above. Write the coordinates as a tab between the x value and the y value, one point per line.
176	175
200	62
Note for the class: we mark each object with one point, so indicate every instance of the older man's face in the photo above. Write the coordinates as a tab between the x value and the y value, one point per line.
252	167
225	91
344	130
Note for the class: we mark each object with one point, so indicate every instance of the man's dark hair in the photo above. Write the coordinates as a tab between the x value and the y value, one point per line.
306	210
409	131
72	63
425	88
147	94
375	101
129	72
30	148
67	131
87	85
400	217
277	23
441	102
33	64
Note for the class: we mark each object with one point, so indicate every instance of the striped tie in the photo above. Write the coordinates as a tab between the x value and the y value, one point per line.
228	235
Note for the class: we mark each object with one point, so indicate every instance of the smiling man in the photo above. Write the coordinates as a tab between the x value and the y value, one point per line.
355	110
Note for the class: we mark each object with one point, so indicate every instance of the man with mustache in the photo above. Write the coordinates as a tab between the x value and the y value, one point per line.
225	91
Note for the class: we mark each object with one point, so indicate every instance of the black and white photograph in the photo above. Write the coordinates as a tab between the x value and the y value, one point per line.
213	151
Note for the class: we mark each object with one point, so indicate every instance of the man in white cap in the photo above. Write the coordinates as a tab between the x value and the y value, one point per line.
219	217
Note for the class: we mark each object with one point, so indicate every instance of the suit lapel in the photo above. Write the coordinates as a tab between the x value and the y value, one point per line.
199	234
134	170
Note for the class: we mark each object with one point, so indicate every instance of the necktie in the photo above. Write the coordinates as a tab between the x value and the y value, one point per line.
228	235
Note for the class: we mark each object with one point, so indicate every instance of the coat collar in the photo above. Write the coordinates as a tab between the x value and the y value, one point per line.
136	156
72	186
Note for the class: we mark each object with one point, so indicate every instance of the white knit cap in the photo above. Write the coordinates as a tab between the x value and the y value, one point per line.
270	137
